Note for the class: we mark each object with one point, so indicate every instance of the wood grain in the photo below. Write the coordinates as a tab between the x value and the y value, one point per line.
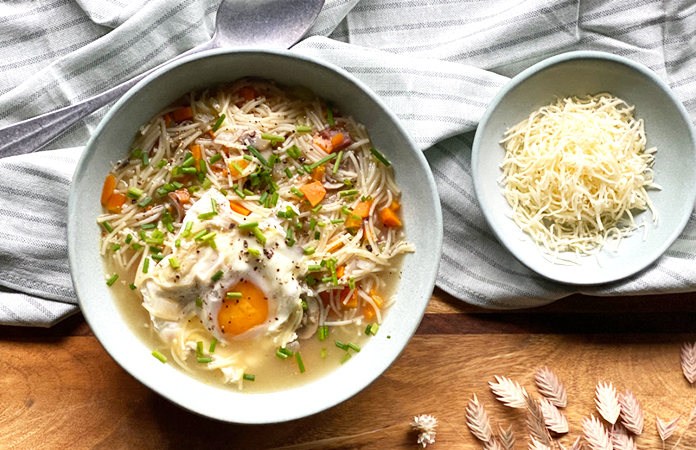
61	390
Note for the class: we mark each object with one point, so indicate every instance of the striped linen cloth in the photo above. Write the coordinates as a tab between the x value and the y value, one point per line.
437	64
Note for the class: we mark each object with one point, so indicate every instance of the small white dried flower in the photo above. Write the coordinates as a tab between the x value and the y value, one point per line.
425	426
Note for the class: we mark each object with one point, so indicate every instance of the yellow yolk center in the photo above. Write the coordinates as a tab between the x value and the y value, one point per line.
241	314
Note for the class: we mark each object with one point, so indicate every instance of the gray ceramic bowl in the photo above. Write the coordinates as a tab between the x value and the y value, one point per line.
667	127
110	142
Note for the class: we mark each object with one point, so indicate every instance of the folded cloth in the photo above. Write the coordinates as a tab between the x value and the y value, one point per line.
437	64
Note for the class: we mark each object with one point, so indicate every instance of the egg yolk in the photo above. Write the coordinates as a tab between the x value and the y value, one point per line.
241	314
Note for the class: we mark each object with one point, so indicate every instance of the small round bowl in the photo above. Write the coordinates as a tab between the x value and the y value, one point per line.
111	141
667	127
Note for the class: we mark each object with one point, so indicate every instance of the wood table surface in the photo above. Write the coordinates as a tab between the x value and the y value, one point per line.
61	390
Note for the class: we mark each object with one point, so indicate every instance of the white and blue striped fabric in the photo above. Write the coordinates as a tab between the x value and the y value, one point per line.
437	63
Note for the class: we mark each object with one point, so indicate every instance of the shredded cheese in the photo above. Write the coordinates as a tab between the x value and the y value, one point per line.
576	171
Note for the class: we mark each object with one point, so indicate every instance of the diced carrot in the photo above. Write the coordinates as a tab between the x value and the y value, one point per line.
239	209
323	143
340	271
196	153
368	231
369	311
181	114
376	298
389	218
314	192
226	150
183	195
247	92
362	209
353	300
219	170
242	163
108	189
318	173
212	135
337	140
167	119
394	205
115	202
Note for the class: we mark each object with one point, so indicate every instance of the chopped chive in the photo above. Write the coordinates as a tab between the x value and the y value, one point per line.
368	329
206	184
272	137
175	171
233	295
108	226
313	267
146	159
137	153
296	191
248	157
288	173
161	192
129	238
148	226
112	280
249	377
177	243
337	221
188	170
237	168
145	202
189	162
317	235
347	182
259	235
354	347
174	263
136	246
317	208
256	153
205	360
300	364
345	210
248	225
326	279
155	250
248	192
338	162
207	237
308	250
274	198
374	329
281	355
213	343
157	257
304	305
239	193
161	163
187	230
310	280
329	114
286	351
217	275
177	185
218	123
291	242
199	302
345	358
312	223
323	353
263	198
380	156
348	193
208	215
199	349
322	161
351	283
222	191
146	265
215	158
213	203
273	159
200	235
303	128
253	252
157	354
323	332
131	286
293	152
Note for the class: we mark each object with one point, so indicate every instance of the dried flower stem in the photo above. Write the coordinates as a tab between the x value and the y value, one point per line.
551	387
477	420
688	361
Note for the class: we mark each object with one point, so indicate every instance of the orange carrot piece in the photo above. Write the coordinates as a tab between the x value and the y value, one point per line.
337	140
389	218
115	202
318	173
340	271
183	195
394	205
352	301
334	246
242	163
196	152
362	209
369	311
239	209
314	192
247	92
108	189
181	114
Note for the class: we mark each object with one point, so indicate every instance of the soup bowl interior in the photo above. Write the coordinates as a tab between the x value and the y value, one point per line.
667	127
421	217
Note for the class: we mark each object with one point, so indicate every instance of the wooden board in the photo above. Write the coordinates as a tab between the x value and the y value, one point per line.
61	390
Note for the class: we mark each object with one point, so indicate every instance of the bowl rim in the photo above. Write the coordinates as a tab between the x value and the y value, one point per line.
520	78
429	275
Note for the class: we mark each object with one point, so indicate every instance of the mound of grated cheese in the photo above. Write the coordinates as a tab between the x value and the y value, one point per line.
575	170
